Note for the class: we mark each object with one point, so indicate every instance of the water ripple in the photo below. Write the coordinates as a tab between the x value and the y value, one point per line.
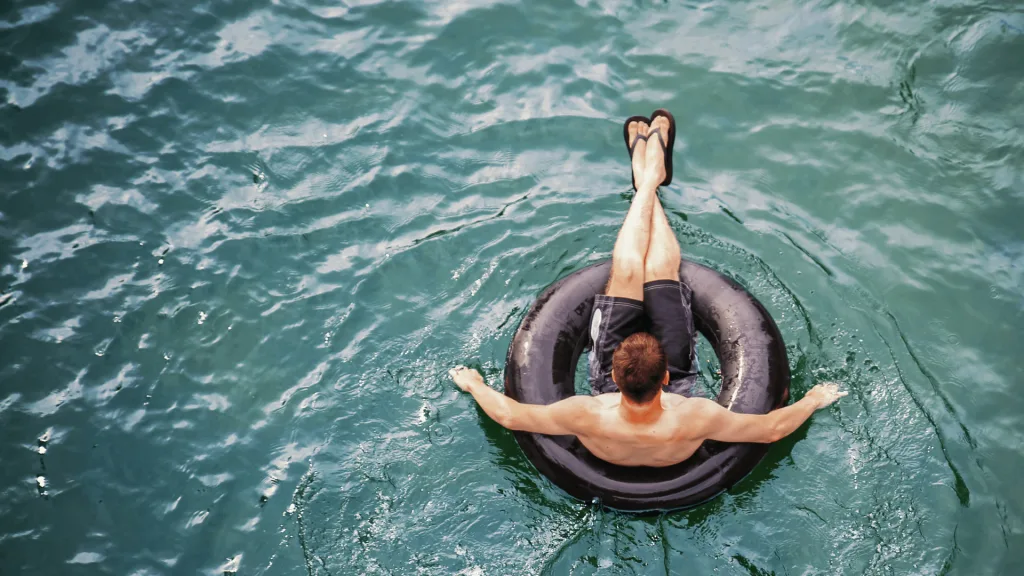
241	244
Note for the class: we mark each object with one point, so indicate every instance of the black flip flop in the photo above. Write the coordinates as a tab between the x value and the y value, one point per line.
667	146
630	146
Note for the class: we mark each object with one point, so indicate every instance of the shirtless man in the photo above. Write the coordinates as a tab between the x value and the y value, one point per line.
631	420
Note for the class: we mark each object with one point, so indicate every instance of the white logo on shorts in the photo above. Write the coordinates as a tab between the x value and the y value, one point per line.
595	325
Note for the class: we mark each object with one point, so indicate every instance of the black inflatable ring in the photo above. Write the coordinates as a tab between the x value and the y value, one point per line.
541	366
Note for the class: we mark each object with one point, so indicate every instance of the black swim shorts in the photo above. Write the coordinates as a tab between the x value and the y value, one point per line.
664	313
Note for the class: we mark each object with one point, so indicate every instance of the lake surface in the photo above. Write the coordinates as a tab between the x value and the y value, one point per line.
241	243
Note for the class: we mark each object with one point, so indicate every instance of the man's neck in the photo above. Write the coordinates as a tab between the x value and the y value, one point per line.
640	413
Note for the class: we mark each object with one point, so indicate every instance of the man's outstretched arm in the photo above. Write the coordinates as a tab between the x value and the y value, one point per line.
723	425
565	417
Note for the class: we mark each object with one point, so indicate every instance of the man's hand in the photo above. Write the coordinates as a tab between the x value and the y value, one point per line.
825	394
465	378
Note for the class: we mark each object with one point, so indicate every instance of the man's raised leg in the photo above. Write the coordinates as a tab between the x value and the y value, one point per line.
619	312
662	260
630	252
663	254
666	300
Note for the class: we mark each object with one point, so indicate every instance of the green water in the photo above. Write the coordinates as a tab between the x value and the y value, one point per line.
241	244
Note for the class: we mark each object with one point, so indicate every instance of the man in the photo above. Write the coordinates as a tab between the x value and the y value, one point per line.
631	420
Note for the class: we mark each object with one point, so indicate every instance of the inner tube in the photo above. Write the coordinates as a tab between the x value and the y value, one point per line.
541	366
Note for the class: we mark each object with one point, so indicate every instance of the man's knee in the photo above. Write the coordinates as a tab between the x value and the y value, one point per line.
661	266
628	270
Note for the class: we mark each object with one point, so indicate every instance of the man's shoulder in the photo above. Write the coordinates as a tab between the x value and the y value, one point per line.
578	413
690	414
581	403
678	402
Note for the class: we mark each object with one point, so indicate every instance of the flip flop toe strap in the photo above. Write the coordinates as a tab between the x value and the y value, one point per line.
661	139
632	146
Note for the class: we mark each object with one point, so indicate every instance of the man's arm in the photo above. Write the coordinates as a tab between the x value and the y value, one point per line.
723	425
564	417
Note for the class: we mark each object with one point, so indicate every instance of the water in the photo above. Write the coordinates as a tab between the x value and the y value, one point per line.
241	244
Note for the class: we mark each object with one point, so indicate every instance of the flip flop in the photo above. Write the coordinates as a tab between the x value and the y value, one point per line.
630	146
667	146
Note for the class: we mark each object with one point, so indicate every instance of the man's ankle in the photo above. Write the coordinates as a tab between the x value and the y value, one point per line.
647	186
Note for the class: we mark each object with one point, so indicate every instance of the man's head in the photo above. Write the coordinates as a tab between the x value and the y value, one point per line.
639	368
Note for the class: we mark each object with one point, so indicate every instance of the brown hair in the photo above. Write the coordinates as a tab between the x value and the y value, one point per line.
639	367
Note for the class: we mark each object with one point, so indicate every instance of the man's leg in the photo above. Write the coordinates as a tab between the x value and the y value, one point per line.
666	300
627	277
619	312
662	260
663	254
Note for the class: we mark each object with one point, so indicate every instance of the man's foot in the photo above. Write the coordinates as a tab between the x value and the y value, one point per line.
639	151
654	157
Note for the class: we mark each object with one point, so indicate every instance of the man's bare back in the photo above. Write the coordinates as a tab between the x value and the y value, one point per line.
607	427
668	438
